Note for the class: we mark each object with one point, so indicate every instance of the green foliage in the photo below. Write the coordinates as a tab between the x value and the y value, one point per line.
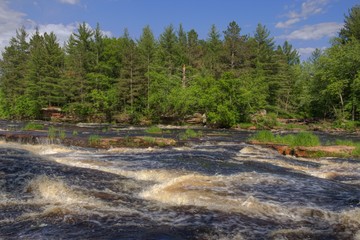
227	78
62	134
263	136
75	133
94	139
190	133
150	140
52	133
356	151
266	121
33	126
56	133
305	139
154	130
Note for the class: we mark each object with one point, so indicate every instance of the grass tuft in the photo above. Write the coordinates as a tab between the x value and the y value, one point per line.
154	130
190	133
305	139
33	126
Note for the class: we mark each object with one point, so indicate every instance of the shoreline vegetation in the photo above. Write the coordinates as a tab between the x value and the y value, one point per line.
225	80
295	141
305	144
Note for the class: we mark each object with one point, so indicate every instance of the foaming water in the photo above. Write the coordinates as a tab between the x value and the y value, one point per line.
56	191
217	188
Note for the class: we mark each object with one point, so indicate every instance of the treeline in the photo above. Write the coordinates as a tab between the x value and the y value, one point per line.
228	76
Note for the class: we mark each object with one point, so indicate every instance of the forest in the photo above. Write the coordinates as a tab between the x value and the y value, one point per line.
229	77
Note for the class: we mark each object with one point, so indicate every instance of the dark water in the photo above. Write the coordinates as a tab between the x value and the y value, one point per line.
215	188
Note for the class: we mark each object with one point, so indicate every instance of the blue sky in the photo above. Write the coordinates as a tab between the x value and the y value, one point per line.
306	24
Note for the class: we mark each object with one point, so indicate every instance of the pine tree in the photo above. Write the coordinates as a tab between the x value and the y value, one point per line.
351	25
147	49
168	51
213	52
232	44
13	75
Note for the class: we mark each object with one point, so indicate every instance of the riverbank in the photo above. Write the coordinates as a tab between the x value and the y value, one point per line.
306	144
106	136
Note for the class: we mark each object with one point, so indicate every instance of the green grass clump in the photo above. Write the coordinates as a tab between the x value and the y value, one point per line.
263	136
305	139
52	132
190	133
356	151
94	139
149	140
154	130
33	126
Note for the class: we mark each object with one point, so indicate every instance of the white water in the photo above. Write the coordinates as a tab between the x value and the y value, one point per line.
257	193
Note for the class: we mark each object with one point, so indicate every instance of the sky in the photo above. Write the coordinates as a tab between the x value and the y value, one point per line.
306	24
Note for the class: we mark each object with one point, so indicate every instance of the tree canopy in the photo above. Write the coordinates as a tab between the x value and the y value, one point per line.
228	76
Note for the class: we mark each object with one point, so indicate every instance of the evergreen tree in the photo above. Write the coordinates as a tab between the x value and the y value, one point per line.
14	65
168	51
213	52
351	25
147	50
232	44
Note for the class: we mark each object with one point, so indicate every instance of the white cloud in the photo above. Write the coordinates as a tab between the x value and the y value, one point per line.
314	32
308	8
72	2
287	23
10	20
61	31
306	51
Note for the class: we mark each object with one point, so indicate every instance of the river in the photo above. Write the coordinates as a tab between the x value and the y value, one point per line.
217	187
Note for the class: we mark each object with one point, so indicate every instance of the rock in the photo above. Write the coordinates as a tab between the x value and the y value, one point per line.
248	149
306	151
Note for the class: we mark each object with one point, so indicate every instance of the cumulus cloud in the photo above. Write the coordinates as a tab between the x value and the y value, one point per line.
10	20
72	2
306	51
61	31
314	32
308	8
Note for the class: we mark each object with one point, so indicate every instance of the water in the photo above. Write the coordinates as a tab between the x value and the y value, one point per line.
216	188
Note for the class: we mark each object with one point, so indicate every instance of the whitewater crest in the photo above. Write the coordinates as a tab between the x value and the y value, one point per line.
217	188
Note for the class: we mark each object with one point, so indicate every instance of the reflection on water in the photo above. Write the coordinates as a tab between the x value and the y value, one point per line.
218	188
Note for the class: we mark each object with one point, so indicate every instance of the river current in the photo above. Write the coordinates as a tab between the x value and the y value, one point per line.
217	187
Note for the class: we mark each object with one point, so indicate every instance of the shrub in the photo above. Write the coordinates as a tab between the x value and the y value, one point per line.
267	121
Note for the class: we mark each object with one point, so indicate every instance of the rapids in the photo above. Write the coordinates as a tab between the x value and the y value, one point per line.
218	187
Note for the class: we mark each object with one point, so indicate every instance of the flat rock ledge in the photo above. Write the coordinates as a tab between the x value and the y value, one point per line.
306	151
100	142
